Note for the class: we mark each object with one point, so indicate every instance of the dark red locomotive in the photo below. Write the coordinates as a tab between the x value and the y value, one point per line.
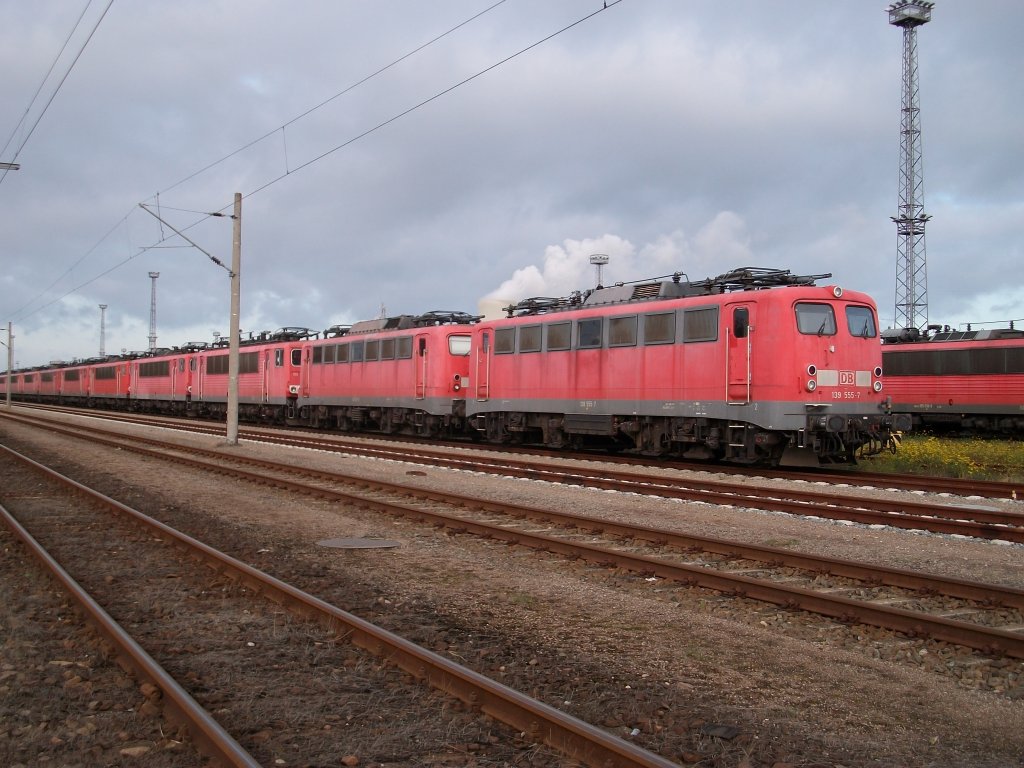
957	381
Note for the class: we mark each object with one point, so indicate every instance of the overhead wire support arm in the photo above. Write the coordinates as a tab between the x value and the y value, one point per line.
182	235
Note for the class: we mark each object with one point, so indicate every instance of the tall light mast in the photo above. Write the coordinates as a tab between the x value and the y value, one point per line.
152	312
103	330
911	261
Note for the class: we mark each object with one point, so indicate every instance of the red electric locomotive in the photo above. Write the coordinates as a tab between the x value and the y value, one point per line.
754	366
161	381
401	374
957	381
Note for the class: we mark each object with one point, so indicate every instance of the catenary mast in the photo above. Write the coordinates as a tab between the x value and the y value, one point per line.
152	311
911	262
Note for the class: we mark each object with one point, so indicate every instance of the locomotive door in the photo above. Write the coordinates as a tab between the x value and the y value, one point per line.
420	355
738	329
483	366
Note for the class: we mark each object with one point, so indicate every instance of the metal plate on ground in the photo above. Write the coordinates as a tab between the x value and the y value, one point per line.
358	543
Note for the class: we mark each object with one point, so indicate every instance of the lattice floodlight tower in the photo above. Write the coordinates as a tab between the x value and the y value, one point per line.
911	262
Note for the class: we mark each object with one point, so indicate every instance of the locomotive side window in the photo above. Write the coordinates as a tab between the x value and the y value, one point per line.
861	322
387	349
249	362
341	352
559	336
70	375
504	341
955	362
278	357
107	372
356	352
700	324
588	333
192	364
459	345
529	338
622	331
404	347
815	319
157	368
660	328
318	355
48	376
372	351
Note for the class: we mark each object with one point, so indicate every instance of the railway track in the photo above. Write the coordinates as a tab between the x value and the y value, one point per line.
948	518
157	555
980	616
980	521
990	489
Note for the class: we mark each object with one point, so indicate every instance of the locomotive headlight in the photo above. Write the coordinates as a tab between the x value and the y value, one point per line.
458	382
878	371
812	369
837	291
877	386
811	385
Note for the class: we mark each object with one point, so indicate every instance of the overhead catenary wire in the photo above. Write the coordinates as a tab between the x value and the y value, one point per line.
338	95
17	315
291	172
53	95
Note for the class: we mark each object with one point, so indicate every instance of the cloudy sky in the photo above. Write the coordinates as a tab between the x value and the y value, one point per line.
386	169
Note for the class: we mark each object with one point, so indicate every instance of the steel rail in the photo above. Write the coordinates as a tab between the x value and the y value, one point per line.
208	735
916	624
545	724
773	556
912	515
961	486
995	489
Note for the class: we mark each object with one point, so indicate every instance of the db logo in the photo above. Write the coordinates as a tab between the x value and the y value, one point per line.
847	378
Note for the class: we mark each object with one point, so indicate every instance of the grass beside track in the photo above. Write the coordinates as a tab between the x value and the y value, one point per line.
953	457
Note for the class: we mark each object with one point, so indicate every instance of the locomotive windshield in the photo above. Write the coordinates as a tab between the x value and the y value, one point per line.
459	345
861	322
816	319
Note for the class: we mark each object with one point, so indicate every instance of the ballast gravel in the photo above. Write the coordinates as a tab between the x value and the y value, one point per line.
701	678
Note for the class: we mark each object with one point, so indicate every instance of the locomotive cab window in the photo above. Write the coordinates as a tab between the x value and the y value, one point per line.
296	357
278	357
815	319
588	333
861	322
459	345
